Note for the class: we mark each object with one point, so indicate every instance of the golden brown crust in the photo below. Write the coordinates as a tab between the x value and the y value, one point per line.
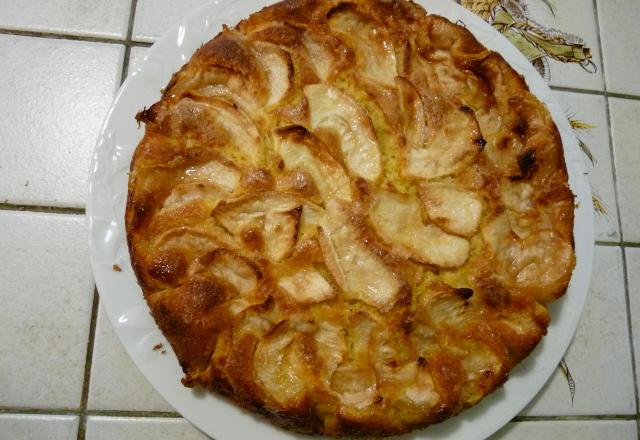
349	216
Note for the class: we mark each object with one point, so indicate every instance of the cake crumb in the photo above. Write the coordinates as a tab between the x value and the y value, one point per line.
117	268
157	347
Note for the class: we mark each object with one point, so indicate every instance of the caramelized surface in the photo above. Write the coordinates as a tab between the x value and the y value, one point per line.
349	216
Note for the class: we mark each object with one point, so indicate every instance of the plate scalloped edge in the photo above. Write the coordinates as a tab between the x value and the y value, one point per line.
122	298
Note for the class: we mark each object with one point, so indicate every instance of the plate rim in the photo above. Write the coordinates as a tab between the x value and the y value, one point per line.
95	220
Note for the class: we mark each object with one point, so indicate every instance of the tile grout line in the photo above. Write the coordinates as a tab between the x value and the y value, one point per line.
41	208
86	38
625	277
132	17
125	64
82	424
593	418
608	243
595	92
625	244
61	36
623	96
126	413
127	51
148	44
94	412
39	411
577	90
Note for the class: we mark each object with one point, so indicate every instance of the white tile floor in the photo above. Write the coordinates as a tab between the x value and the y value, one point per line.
139	428
569	430
625	114
633	274
46	295
56	92
38	427
77	17
620	39
116	383
599	358
154	17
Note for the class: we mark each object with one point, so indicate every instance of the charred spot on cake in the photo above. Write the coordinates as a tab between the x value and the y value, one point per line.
464	293
521	126
527	165
297	132
481	142
467	109
407	322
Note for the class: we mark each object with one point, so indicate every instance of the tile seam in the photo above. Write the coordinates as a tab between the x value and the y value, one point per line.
61	36
127	52
594	418
577	90
626	244
88	412
39	411
41	208
623	96
82	424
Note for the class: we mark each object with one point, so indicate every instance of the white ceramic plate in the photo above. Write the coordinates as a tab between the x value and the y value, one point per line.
122	298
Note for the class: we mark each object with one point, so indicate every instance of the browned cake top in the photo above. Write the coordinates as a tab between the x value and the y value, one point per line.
349	216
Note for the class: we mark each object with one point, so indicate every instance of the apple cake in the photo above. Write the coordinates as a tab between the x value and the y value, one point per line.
349	216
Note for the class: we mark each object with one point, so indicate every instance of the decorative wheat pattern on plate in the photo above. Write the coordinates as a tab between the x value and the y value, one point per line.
537	42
